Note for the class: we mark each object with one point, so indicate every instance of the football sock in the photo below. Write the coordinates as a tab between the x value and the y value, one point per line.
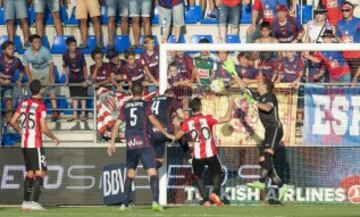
217	183
28	188
38	184
128	190
201	185
154	183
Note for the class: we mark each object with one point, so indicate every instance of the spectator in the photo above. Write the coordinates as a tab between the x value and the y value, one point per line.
333	10
229	13
171	9
150	60
83	7
205	66
133	68
211	13
348	30
333	61
175	80
9	65
54	7
265	29
267	9
118	78
316	27
291	68
16	10
74	65
143	8
114	7
43	69
220	72
246	72
285	28
100	71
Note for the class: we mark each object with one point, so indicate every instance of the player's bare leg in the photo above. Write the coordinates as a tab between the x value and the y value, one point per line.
38	184
28	189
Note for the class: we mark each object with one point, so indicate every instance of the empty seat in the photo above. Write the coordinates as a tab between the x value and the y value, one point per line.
104	15
60	77
193	14
122	42
172	39
155	16
91	45
233	39
45	41
59	45
246	14
304	14
71	20
196	38
2	16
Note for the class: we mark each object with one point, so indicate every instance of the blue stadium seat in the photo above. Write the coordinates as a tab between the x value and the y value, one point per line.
104	15
45	42
193	14
233	39
246	14
17	42
62	103
155	17
172	39
10	139
196	38
60	78
59	45
2	16
16	77
122	42
31	14
91	42
72	19
307	13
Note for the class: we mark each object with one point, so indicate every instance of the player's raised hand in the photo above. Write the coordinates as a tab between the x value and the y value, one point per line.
111	149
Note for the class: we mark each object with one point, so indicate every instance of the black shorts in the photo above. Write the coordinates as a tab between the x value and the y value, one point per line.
272	139
34	159
158	142
213	163
78	91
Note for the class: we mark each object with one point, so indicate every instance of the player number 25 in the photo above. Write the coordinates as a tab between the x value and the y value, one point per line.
27	118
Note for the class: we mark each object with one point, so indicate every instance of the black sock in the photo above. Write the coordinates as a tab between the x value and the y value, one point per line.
128	190
275	178
217	184
154	183
28	188
38	184
202	189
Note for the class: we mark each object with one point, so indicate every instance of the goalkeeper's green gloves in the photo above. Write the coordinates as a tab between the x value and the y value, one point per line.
248	96
229	66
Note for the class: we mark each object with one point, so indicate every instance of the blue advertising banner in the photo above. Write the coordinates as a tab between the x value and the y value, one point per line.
332	116
113	179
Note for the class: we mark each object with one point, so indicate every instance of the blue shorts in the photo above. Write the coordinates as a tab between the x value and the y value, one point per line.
140	7
146	155
7	92
53	5
15	9
158	142
117	5
229	15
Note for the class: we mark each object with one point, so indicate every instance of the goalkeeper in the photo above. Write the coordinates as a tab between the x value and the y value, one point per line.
266	102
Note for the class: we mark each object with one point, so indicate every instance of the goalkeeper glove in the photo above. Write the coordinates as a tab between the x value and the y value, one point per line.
229	66
248	96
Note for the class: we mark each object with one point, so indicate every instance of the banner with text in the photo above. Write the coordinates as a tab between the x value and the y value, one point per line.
332	116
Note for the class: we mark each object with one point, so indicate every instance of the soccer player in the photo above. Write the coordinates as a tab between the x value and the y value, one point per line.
266	103
31	114
136	113
204	150
163	107
9	64
74	65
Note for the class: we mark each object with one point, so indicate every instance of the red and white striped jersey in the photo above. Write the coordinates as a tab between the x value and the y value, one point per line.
200	128
31	111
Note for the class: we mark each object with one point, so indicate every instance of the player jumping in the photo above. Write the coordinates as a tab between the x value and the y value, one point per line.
204	150
267	104
32	116
136	113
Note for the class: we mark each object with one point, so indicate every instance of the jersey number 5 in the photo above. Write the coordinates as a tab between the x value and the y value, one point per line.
133	117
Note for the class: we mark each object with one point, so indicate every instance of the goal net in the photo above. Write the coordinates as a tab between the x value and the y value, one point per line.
319	102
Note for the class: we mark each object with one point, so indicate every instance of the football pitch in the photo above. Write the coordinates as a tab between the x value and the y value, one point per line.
194	211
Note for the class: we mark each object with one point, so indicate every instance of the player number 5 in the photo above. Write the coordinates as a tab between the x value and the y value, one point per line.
133	117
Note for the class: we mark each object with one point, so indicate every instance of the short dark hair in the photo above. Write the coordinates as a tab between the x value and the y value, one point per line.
204	41
243	54
6	44
265	25
70	40
33	37
137	89
172	64
129	53
195	104
147	38
35	87
95	52
269	85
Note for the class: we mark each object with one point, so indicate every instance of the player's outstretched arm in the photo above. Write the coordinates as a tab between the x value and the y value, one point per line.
229	112
48	132
267	107
158	125
111	147
13	122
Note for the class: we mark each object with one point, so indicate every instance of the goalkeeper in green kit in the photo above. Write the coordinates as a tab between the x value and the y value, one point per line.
266	102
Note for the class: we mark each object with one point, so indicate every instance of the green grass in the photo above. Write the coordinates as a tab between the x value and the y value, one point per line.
194	211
